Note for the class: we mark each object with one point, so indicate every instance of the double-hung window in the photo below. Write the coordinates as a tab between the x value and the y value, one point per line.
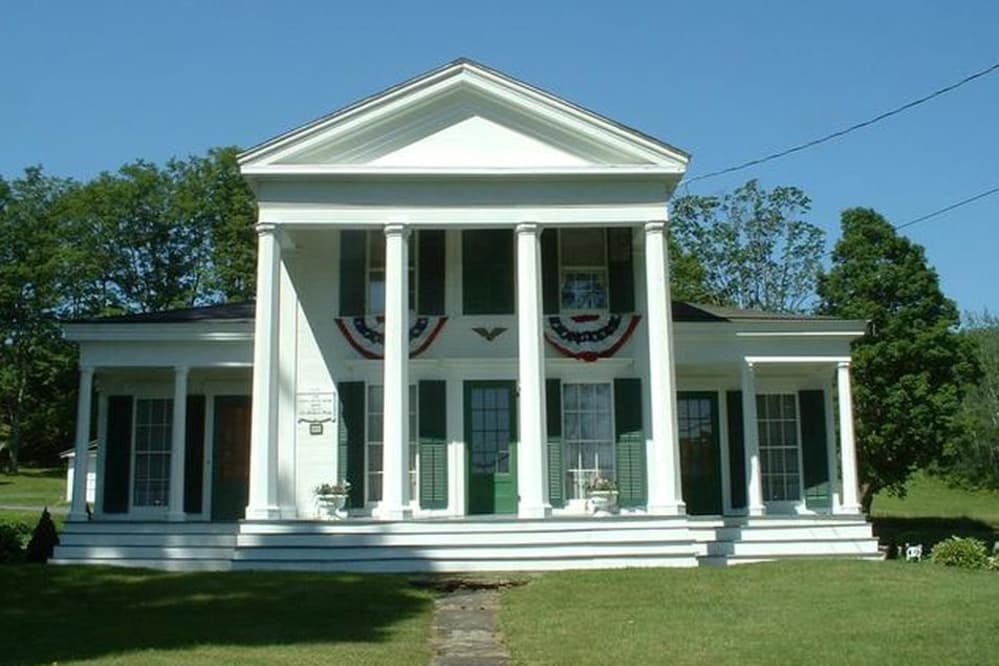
375	275
374	449
588	435
152	435
777	417
583	284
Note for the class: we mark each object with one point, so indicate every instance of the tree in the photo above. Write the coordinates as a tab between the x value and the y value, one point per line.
755	250
912	367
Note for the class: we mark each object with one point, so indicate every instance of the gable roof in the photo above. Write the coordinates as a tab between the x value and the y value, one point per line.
468	80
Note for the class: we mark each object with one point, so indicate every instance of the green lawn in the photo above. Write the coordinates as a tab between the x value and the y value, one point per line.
31	489
792	612
97	615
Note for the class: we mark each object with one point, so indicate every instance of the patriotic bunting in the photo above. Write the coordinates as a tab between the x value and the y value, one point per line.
367	334
591	336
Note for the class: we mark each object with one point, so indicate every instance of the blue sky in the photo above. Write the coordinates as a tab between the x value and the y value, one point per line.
87	86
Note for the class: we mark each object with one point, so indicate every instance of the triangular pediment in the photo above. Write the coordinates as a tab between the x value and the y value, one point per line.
462	116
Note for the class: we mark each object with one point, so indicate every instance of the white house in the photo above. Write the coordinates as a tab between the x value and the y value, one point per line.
463	309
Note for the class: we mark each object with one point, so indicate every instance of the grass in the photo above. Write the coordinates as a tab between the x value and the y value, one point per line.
791	612
95	615
933	511
23	494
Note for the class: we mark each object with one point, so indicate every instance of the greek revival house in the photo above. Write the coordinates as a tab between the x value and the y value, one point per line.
463	311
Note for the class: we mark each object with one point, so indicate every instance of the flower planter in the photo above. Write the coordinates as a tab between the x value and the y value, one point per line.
331	507
603	502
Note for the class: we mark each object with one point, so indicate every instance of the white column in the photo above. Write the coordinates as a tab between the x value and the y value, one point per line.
830	412
532	463
751	440
395	428
178	432
263	425
665	491
78	510
848	448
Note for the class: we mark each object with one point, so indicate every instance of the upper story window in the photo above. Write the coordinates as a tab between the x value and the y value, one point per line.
487	285
363	278
375	292
583	270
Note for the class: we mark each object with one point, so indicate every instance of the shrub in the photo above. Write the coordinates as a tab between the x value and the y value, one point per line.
967	553
12	536
43	540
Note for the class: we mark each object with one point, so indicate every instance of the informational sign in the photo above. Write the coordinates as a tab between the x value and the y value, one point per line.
315	409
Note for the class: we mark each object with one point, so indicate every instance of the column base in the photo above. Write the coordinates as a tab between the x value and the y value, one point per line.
756	511
174	517
77	517
395	513
263	513
678	509
534	512
847	510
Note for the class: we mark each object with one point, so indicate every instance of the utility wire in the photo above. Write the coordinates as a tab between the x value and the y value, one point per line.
852	128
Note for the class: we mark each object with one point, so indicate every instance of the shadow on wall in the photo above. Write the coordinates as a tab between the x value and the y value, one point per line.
55	614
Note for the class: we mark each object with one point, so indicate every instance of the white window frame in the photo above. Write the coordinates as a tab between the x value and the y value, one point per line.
414	274
785	504
569	487
148	509
580	268
414	446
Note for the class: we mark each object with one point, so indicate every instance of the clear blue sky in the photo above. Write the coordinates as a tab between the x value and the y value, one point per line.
87	86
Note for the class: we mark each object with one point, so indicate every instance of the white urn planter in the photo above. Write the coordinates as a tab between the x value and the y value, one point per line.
603	502
331	507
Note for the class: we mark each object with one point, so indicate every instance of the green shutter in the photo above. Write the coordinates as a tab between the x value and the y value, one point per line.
549	271
487	271
353	245
553	410
631	475
620	271
433	444
350	448
813	449
118	454
736	450
194	453
430	267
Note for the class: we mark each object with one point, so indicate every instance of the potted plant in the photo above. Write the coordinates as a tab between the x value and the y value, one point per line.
602	495
331	499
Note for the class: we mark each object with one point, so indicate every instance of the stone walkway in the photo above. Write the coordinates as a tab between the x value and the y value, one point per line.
464	629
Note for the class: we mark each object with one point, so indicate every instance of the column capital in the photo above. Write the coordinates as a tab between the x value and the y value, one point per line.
181	370
532	228
397	229
655	227
86	369
266	228
750	366
843	365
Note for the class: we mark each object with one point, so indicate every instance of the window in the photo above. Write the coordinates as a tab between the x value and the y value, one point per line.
373	447
375	293
487	271
152	452
777	418
587	429
583	269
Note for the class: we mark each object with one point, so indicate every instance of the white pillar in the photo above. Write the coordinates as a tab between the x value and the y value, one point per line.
848	448
751	440
178	430
532	463
81	456
395	428
263	503
665	491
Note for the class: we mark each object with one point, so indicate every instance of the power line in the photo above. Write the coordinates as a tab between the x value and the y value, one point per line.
852	128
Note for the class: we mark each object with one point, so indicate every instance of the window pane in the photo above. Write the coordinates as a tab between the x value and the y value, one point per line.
583	247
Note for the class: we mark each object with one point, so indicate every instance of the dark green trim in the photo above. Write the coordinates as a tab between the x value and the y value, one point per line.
620	270
553	411
487	271
430	267
736	450
549	271
350	442
631	475
118	454
814	456
433	444
491	493
353	272
194	454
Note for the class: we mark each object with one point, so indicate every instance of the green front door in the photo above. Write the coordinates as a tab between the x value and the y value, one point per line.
231	459
700	453
490	430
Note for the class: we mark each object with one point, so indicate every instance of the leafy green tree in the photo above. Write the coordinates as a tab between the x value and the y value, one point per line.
912	367
755	249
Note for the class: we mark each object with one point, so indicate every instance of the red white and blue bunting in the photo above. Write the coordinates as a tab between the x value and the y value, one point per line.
367	334
589	337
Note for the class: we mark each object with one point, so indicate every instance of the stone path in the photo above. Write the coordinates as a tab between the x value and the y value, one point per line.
464	629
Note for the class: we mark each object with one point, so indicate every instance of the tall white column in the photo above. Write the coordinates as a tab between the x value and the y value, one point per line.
848	448
532	463
263	425
178	432
78	510
751	440
395	428
665	491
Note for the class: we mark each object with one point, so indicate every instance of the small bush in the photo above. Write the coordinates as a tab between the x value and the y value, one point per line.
966	553
12	536
43	540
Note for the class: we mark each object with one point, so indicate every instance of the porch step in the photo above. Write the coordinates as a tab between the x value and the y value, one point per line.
745	540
